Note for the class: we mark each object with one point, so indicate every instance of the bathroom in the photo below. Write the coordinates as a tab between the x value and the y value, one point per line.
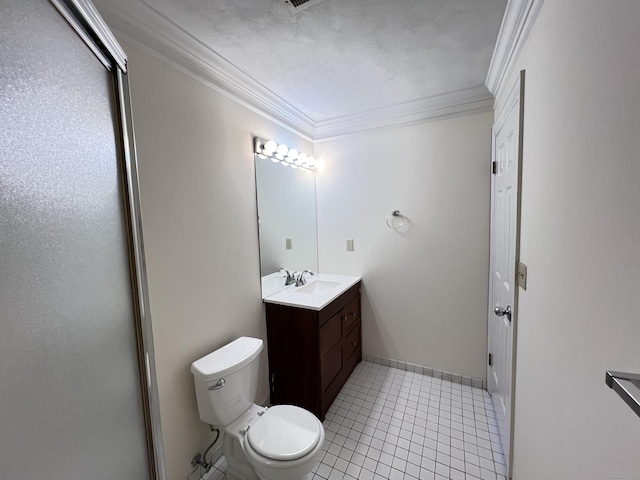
424	291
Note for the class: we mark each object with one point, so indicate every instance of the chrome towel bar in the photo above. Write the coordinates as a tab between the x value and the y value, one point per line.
627	385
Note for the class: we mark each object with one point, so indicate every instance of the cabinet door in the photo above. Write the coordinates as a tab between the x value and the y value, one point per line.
331	354
292	336
352	347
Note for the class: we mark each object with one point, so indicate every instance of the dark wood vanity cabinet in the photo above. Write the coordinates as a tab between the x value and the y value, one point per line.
312	353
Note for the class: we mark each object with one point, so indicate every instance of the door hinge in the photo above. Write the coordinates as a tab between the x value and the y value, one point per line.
273	382
493	167
490	359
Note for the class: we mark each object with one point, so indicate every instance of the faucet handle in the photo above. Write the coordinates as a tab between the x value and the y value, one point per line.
290	276
300	281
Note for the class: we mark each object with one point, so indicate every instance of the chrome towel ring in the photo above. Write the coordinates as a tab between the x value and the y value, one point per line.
389	220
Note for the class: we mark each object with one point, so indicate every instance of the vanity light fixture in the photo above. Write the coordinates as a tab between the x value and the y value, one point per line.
282	154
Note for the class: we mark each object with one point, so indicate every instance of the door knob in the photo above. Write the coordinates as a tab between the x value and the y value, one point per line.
501	312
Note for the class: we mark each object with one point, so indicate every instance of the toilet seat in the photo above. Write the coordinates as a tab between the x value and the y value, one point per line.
284	432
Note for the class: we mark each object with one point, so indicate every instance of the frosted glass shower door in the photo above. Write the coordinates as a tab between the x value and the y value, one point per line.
71	404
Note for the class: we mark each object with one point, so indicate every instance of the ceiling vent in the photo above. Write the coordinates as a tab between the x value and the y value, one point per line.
299	5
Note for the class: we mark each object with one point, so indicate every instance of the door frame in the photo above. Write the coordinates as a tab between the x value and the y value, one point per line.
515	97
85	19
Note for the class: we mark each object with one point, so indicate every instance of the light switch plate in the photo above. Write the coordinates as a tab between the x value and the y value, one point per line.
522	275
288	243
349	244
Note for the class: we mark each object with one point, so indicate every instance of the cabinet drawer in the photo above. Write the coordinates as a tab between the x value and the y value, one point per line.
350	315
352	343
329	334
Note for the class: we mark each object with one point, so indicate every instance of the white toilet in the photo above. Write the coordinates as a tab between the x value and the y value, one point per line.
279	443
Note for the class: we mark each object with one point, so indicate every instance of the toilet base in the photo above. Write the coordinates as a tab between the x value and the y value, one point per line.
237	466
232	474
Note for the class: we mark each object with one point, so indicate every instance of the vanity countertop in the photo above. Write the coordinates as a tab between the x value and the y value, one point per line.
272	284
320	290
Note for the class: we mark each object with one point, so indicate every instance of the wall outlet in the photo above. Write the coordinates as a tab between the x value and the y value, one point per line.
287	243
349	244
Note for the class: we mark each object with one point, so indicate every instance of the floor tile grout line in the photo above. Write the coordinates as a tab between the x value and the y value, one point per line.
380	404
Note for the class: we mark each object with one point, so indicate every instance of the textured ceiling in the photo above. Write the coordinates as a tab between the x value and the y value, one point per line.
344	57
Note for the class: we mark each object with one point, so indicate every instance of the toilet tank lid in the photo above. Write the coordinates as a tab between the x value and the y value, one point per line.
226	360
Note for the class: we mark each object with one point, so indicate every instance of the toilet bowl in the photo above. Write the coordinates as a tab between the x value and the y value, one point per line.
279	443
284	443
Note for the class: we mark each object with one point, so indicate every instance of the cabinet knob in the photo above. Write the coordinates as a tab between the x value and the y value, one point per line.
344	318
355	344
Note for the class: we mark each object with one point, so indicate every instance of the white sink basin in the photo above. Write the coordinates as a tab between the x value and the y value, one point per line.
317	286
320	290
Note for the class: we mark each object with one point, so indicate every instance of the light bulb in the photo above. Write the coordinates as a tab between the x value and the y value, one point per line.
283	162
270	146
282	149
275	160
262	156
302	158
279	156
311	161
293	154
293	165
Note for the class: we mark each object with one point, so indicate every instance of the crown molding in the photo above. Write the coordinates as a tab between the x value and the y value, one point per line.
463	102
150	31
518	20
144	27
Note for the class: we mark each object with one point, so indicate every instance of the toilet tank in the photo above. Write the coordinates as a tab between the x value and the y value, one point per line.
226	381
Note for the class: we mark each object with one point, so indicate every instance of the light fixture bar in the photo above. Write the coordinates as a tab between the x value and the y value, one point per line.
269	149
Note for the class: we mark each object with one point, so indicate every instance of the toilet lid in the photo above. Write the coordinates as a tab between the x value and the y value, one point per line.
284	432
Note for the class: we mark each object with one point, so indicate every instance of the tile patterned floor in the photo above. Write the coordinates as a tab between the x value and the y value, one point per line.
390	424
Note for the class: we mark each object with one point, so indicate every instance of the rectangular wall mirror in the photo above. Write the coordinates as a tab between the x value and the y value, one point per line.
287	225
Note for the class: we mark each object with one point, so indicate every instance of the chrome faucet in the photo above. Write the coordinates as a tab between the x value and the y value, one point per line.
290	276
300	281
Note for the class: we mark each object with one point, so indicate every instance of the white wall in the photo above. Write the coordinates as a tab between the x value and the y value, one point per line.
200	232
425	286
580	239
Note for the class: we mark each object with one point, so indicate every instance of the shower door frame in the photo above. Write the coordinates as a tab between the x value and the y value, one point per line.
87	22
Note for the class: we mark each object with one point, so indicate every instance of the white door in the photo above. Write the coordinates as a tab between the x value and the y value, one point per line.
503	282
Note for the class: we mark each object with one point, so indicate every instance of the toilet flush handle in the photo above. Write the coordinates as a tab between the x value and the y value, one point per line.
219	384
